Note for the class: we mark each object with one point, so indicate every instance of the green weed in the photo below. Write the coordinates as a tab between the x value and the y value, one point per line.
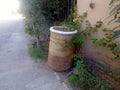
29	31
84	79
35	53
74	79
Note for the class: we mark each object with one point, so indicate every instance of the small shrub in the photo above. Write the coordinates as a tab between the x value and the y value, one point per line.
76	41
73	79
35	53
29	31
84	79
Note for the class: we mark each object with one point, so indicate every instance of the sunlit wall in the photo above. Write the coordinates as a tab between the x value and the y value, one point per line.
99	12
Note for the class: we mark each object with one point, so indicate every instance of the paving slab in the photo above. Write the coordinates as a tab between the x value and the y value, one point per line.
18	71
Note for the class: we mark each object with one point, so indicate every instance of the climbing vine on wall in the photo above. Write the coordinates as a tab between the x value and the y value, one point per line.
85	29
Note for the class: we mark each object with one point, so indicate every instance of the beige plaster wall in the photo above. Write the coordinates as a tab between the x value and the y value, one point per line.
100	12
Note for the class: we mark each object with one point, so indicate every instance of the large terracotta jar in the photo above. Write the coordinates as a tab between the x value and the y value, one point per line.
59	58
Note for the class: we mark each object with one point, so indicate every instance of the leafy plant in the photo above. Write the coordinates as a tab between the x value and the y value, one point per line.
35	53
91	29
71	25
29	31
71	22
82	77
115	11
85	80
108	42
115	14
86	29
76	42
73	79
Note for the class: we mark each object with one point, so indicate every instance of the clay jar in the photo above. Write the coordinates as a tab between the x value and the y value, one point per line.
59	58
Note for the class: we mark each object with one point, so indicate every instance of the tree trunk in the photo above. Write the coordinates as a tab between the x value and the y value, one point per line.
38	42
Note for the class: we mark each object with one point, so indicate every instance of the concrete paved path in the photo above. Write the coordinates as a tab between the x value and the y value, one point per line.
17	70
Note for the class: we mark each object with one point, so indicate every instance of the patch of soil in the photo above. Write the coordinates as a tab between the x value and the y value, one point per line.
95	69
62	29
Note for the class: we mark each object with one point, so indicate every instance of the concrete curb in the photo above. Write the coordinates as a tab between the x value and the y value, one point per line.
62	82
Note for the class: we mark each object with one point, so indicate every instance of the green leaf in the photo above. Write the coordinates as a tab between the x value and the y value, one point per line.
115	9
85	14
116	34
117	49
73	78
118	20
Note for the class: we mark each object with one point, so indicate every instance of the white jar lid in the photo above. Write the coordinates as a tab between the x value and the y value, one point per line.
53	29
